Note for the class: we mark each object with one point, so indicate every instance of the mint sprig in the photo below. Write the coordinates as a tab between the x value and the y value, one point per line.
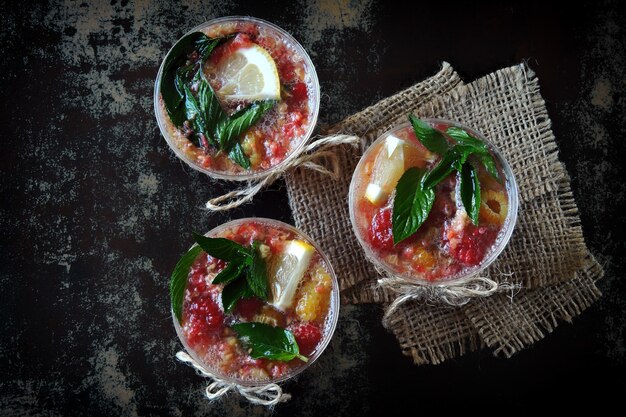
265	341
202	109
415	189
244	276
246	272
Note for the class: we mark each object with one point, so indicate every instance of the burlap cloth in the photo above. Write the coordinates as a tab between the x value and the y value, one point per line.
547	254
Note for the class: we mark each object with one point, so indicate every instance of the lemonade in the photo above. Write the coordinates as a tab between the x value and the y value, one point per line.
222	318
236	97
436	236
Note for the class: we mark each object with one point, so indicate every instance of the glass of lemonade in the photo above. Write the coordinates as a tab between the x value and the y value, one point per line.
302	303
228	71
447	246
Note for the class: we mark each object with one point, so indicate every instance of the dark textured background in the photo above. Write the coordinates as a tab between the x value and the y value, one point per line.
96	209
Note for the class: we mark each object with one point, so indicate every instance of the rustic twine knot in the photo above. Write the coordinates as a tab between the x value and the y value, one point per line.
455	295
311	154
270	394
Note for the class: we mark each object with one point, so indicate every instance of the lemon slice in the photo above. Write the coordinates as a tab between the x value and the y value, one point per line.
250	74
287	269
388	168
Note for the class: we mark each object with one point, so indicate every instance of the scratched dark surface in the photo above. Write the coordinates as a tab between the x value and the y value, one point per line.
95	209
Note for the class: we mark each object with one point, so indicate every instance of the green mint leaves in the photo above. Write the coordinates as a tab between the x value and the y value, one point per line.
265	341
246	272
415	190
178	282
244	276
224	249
188	97
411	204
431	138
470	191
231	129
173	69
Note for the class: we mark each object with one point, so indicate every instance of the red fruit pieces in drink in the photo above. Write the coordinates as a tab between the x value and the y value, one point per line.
380	231
473	244
215	265
205	316
299	95
308	336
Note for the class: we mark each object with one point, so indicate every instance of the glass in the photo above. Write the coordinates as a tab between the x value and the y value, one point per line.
310	78
331	320
504	234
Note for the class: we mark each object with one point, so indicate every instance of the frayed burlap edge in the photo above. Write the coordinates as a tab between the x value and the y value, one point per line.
507	325
432	334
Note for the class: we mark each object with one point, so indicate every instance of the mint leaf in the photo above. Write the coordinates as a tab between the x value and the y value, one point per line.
257	277
229	274
193	112
446	165
237	155
233	292
205	45
463	138
173	97
223	249
451	160
265	341
210	111
411	204
178	281
431	138
230	130
490	164
470	191
475	146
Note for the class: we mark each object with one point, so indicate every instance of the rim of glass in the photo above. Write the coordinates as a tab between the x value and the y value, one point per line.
505	233
161	117
333	310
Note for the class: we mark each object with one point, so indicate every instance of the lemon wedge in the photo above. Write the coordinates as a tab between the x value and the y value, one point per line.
250	74
286	271
388	168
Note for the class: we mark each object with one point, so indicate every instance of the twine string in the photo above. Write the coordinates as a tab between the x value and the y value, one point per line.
454	295
312	154
269	394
